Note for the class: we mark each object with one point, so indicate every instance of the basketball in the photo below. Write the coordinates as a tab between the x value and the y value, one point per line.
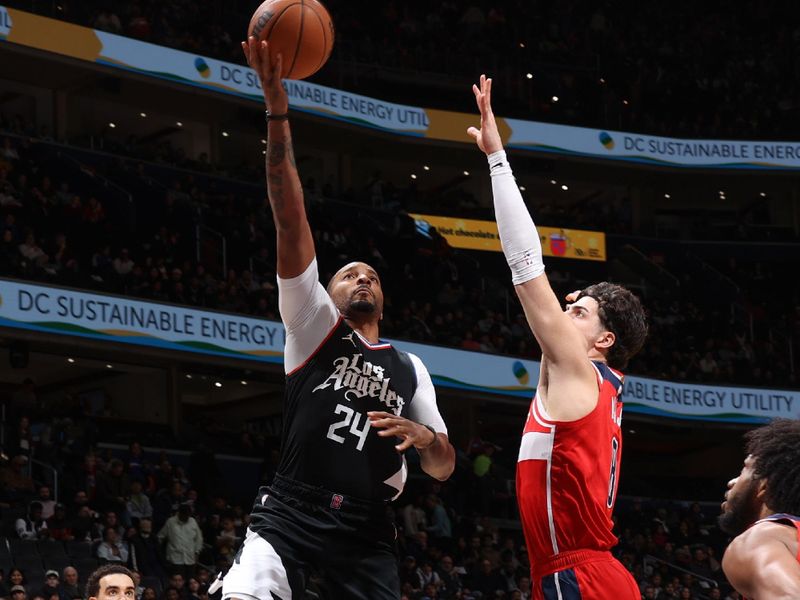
300	30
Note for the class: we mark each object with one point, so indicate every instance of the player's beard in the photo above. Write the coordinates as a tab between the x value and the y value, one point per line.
741	511
361	307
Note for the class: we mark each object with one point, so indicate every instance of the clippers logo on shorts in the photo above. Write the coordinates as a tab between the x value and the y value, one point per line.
360	378
336	501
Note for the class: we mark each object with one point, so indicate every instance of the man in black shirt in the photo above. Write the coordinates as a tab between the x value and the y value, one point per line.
353	405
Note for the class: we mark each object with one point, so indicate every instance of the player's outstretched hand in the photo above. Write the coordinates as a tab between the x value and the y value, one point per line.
487	137
269	69
412	434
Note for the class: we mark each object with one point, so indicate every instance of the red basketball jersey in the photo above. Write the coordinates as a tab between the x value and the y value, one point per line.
567	475
789	519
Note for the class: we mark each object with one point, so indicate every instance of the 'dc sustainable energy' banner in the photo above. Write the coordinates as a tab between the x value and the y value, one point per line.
59	311
119	52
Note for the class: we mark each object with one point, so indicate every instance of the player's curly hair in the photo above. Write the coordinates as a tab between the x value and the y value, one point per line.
621	313
775	449
93	583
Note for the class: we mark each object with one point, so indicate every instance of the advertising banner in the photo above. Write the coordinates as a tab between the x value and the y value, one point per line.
116	51
129	321
473	234
61	311
657	151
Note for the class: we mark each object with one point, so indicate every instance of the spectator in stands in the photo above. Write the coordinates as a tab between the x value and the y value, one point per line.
414	518
68	589
17	483
440	528
59	527
488	580
184	541
113	487
138	505
32	526
18	593
112	549
51	584
48	504
145	550
17	577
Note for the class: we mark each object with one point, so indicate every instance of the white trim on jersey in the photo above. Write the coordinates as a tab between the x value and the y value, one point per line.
558	585
398	480
257	573
552	429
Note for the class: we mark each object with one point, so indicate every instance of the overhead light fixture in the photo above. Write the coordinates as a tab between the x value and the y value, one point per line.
264	142
188	376
522	188
564	187
763	194
243	382
178	123
109	366
466	173
70	360
112	125
553	181
218	384
667	196
413	176
225	134
522	44
529	75
426	167
143	114
554	98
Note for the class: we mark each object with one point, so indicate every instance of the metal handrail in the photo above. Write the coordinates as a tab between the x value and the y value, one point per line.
53	471
649	558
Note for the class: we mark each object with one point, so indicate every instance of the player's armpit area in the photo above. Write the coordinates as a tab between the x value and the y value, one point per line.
762	564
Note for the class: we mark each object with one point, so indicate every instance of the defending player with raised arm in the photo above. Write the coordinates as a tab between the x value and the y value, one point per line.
353	405
762	509
568	465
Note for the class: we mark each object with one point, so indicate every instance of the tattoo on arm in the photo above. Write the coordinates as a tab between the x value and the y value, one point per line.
277	152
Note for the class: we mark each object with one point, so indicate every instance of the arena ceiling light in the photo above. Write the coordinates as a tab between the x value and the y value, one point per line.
522	188
143	114
109	366
522	44
225	134
553	181
243	382
426	167
602	80
667	196
112	125
413	176
218	384
554	98
178	123
529	75
466	173
188	376
70	360
565	187
762	194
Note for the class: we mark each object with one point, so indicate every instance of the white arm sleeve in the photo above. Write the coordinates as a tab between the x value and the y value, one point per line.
518	235
423	406
307	312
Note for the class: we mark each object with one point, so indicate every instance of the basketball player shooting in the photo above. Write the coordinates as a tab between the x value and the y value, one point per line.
569	458
762	509
353	405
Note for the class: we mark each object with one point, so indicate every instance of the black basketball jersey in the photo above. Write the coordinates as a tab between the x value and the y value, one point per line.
327	439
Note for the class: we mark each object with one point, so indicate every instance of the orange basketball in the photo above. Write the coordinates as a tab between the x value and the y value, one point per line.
301	30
